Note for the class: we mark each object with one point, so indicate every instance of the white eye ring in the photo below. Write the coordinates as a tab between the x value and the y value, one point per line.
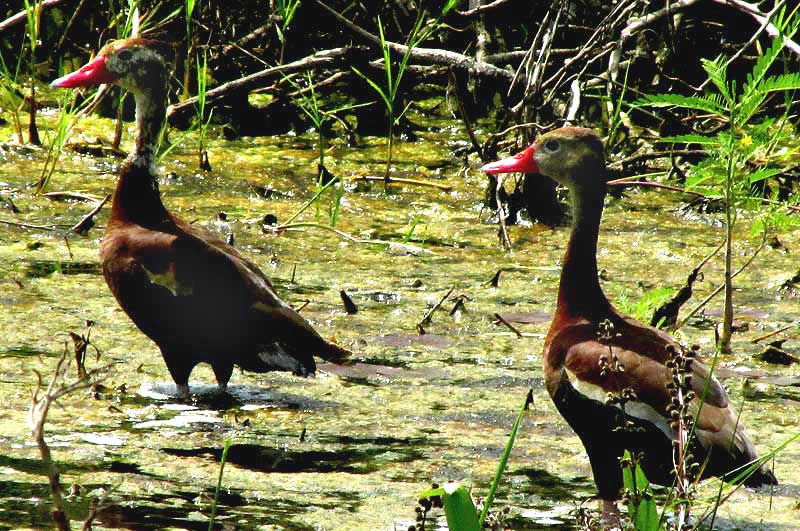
552	146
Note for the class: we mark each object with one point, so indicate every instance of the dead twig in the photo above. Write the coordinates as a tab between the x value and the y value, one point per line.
509	325
501	214
425	321
481	8
774	333
87	222
41	400
667	314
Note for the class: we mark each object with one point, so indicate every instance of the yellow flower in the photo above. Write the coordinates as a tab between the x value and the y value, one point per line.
746	140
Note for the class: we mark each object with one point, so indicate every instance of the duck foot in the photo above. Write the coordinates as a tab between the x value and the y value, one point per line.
182	391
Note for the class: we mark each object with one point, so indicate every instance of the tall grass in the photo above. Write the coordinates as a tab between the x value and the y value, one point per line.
32	20
200	108
389	93
285	9
310	103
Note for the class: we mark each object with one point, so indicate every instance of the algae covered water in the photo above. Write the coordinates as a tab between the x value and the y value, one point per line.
353	447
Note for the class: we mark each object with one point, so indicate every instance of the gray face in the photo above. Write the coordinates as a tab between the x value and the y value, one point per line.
572	157
137	68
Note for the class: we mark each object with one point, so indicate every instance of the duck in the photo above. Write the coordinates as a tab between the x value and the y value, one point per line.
196	297
612	378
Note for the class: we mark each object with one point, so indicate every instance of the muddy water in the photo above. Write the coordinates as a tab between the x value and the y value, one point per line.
351	448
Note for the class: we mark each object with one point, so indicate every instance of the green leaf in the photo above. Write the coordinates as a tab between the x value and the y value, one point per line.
710	104
459	509
449	6
377	89
501	466
763	173
751	101
691	139
718	74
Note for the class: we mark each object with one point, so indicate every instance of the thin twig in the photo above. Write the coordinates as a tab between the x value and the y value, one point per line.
501	214
428	316
774	333
509	325
87	222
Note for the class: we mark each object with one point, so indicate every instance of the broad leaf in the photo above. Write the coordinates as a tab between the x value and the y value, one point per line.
459	509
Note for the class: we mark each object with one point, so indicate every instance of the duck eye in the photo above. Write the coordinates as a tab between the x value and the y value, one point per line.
552	146
124	55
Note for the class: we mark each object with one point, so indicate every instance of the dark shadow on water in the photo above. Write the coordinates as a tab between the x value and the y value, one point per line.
552	487
28	505
45	268
353	459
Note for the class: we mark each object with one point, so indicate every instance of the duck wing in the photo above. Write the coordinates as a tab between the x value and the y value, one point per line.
211	298
642	353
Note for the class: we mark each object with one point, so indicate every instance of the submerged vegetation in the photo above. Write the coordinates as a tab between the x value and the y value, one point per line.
298	103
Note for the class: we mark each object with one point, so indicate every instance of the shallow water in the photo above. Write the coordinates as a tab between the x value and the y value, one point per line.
351	448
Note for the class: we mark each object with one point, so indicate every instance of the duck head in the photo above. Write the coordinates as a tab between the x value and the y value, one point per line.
571	156
137	65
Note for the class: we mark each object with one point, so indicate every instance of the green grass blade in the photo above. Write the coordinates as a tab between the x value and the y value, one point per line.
222	460
501	466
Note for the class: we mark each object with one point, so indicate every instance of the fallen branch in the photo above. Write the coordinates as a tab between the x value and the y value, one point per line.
400	180
20	17
317	60
763	19
431	55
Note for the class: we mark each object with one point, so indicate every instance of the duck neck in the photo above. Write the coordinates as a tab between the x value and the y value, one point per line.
137	198
579	293
151	110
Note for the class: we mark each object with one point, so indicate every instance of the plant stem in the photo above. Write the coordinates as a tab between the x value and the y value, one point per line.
727	318
390	146
223	458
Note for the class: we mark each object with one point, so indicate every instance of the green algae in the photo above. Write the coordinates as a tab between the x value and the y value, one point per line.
351	448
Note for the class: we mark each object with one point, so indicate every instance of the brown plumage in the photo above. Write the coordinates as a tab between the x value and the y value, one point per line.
195	296
574	353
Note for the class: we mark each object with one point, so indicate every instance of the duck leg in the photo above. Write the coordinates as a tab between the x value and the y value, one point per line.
223	372
179	369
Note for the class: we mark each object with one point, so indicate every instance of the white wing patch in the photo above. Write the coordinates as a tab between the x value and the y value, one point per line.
169	281
634	408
